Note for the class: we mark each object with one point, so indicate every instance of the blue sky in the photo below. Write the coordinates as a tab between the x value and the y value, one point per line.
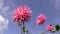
51	8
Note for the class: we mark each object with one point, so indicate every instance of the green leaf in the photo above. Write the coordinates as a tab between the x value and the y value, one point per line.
19	24
27	31
57	27
24	29
59	30
42	33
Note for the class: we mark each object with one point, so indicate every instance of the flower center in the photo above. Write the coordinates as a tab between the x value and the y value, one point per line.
21	12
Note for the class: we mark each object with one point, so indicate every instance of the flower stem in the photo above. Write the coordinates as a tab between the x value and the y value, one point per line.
23	32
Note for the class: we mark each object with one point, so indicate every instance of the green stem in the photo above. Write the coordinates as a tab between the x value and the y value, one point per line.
22	28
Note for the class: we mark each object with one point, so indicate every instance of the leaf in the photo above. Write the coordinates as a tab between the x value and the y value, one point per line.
59	30
42	33
27	31
24	29
19	24
57	27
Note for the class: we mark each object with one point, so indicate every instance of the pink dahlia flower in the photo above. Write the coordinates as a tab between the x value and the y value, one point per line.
22	14
49	27
41	19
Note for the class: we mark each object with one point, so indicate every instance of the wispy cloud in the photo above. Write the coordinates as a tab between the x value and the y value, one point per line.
3	24
3	8
1	3
56	4
4	11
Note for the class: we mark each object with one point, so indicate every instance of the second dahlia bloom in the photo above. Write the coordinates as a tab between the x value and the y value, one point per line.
49	27
22	14
41	19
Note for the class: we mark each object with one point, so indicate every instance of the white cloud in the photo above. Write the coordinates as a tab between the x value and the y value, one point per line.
3	24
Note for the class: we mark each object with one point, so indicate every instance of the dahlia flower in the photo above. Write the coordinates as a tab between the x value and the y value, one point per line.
49	27
41	19
22	14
